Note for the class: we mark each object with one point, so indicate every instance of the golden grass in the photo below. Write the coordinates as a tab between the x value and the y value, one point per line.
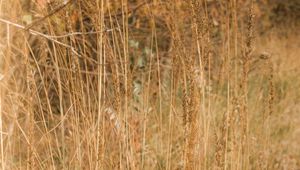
147	85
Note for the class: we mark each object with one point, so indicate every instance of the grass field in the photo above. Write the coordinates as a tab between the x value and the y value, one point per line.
149	84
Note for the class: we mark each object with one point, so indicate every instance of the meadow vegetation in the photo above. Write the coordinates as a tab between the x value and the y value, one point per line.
149	84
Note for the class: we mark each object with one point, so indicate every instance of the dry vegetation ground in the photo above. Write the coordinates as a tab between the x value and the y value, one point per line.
157	84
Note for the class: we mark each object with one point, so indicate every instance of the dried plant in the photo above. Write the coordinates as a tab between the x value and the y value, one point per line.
147	85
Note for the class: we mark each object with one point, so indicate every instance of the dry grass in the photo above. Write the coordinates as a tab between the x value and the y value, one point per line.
148	85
